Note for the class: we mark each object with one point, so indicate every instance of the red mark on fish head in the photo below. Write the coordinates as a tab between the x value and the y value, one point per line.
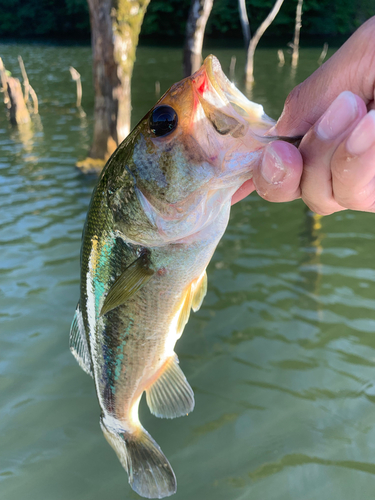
162	271
203	86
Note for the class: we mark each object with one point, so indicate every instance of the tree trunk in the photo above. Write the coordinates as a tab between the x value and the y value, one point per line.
297	30
115	27
4	84
195	26
244	23
255	40
13	98
18	112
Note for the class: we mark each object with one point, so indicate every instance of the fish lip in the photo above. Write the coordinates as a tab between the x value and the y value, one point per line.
241	106
227	91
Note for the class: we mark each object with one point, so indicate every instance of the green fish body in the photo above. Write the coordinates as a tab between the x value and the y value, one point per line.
156	216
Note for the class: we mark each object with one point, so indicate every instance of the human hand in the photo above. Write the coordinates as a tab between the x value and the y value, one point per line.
334	168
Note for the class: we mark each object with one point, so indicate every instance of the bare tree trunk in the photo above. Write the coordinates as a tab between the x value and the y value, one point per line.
244	23
76	77
297	30
280	55
255	40
115	27
13	98
232	68
26	82
4	84
18	112
195	26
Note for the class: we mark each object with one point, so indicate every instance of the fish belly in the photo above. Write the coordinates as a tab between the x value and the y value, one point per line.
135	342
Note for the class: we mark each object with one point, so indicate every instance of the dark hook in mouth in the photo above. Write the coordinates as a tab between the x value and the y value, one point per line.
295	140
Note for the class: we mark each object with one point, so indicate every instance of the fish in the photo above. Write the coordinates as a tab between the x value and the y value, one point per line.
160	207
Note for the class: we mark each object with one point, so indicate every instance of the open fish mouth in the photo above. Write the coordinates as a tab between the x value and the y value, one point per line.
253	113
240	106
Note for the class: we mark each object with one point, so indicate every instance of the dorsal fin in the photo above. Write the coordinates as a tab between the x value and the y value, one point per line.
170	395
131	280
78	343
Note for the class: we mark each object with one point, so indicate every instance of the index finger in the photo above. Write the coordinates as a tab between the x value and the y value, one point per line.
352	68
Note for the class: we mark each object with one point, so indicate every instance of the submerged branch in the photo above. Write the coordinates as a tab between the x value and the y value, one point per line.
255	40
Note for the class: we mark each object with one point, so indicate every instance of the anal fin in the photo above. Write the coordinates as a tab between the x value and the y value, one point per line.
170	395
78	343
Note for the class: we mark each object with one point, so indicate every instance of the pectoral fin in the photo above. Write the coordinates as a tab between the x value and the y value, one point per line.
170	395
130	281
78	343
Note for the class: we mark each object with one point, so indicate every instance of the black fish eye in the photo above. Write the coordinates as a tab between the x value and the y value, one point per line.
163	120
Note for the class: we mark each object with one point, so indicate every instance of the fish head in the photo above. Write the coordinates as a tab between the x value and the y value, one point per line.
193	150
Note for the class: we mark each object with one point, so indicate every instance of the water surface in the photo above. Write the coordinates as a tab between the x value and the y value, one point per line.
281	355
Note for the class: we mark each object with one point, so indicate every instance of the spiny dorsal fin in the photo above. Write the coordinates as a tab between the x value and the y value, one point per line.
131	280
78	343
170	395
200	291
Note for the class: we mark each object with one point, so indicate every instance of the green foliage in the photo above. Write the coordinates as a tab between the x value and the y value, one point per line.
320	17
166	19
46	18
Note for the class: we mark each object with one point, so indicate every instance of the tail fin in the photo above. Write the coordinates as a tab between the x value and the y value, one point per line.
150	473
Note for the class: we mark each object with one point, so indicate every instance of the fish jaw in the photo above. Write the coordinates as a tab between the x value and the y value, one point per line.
252	112
236	140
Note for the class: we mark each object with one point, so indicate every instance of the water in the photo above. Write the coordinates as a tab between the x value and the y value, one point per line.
281	355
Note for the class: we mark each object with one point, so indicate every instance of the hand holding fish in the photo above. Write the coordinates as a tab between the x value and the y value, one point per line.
334	168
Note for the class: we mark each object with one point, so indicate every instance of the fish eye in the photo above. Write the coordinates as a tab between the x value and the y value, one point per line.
163	120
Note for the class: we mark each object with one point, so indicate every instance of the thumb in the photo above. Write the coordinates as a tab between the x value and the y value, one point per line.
352	68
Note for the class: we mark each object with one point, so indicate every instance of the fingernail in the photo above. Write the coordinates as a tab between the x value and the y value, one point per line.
338	117
272	169
363	136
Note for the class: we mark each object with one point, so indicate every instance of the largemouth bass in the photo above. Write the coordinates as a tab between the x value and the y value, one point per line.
158	211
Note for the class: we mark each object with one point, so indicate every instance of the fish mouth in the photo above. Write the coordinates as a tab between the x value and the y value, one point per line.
240	107
251	112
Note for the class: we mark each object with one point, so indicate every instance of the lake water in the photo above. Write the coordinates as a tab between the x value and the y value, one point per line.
281	355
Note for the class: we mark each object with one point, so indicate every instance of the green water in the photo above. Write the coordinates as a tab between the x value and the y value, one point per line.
281	355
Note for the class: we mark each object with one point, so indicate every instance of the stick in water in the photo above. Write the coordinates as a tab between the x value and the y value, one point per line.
77	78
26	82
281	57
323	54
